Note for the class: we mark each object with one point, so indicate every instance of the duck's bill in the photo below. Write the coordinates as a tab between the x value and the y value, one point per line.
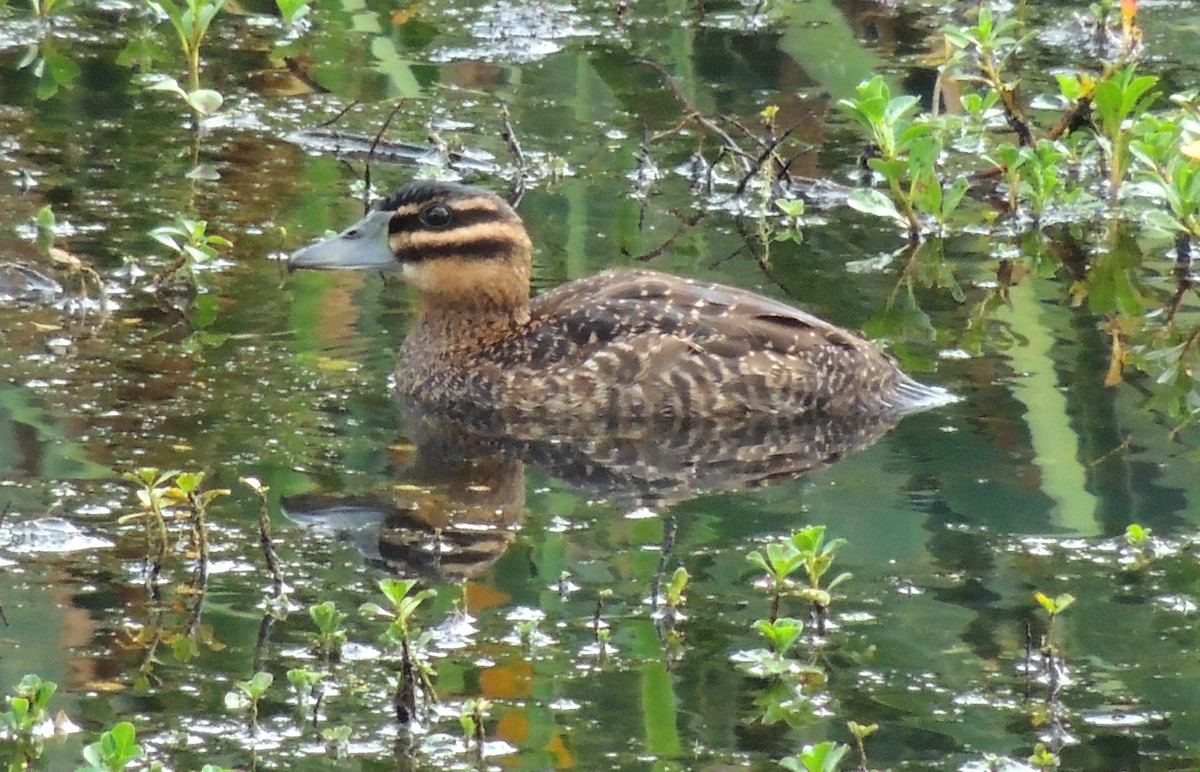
363	247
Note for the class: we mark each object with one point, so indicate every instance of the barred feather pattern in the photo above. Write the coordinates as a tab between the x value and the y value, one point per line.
634	344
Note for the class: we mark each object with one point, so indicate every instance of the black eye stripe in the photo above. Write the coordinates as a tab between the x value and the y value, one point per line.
479	249
462	218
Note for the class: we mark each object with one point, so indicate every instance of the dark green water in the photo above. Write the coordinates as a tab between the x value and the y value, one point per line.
954	519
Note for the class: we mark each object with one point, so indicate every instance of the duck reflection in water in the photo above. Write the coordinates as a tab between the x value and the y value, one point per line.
460	500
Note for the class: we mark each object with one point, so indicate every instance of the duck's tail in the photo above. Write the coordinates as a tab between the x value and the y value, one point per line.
910	396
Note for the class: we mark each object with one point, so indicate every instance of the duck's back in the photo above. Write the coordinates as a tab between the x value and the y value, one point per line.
627	344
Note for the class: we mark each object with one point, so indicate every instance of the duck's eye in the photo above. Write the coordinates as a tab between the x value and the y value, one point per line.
436	216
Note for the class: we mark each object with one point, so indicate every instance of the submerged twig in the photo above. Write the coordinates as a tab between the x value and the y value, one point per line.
768	152
697	116
514	149
261	642
664	554
341	113
371	154
1183	274
264	534
685	224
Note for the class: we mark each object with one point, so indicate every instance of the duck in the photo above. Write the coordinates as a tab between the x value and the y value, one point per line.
621	345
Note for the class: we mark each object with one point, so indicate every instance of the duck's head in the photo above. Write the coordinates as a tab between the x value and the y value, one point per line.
458	246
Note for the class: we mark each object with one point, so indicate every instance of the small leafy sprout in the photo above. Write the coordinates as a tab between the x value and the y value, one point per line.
781	634
1042	758
861	732
191	20
114	751
153	494
330	634
525	630
1136	536
676	588
403	606
192	245
1054	606
28	710
778	561
793	211
252	692
307	684
473	713
823	757
187	490
414	672
1140	546
45	223
1119	100
988	47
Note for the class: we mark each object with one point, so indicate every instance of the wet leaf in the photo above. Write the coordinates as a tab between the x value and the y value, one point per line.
874	202
205	101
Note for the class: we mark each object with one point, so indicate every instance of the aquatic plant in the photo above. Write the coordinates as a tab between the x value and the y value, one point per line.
307	684
415	674
793	212
1119	100
193	246
187	488
53	69
248	695
471	719
781	635
1043	758
906	154
989	46
816	557
191	21
154	496
805	549
676	588
26	719
822	757
861	732
116	749
1141	546
330	634
1050	650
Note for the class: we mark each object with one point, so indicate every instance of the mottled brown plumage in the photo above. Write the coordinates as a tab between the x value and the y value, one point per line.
618	345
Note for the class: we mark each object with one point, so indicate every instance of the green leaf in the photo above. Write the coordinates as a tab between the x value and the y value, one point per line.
165	83
874	202
205	101
954	195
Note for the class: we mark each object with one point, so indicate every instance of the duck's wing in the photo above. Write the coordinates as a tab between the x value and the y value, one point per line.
645	338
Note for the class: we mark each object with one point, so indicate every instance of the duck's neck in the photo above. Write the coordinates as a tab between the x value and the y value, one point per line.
460	325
